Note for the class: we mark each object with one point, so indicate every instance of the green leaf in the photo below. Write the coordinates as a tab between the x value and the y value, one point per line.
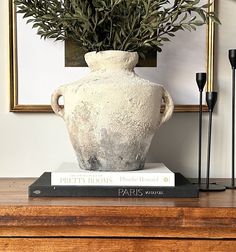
115	24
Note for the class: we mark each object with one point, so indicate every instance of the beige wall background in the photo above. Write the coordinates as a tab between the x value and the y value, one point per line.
33	143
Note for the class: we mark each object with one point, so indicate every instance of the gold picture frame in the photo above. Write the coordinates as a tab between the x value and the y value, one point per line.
15	105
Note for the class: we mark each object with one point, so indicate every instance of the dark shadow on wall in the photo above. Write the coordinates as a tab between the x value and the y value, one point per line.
176	144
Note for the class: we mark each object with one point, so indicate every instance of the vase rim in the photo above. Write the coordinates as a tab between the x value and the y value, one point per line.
110	52
111	60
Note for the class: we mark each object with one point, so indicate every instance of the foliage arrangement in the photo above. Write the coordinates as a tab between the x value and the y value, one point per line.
130	25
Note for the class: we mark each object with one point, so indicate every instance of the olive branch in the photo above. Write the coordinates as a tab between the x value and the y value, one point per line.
130	25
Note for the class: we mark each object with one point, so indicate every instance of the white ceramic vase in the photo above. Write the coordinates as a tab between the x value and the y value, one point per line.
112	114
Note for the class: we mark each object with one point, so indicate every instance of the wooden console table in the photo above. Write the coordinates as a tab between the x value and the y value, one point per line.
201	224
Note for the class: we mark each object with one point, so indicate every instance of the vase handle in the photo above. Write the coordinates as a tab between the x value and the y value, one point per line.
169	106
58	109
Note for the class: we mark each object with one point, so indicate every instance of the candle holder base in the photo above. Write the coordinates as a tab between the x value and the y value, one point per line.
231	185
211	188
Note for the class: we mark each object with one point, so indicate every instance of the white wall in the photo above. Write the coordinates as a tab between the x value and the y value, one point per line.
33	143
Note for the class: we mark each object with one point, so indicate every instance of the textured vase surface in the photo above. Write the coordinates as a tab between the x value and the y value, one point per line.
112	114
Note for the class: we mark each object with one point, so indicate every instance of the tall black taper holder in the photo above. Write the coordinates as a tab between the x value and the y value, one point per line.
201	81
232	59
211	98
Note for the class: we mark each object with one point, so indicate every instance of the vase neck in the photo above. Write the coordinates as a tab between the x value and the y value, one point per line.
111	60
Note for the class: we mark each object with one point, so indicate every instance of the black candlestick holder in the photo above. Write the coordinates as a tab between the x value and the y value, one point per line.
232	59
211	98
201	81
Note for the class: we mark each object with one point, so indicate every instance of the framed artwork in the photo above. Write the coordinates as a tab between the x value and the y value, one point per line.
38	66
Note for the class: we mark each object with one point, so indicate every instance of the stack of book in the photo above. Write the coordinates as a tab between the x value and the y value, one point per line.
154	181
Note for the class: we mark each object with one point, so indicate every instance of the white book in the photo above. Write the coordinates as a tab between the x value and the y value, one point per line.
153	174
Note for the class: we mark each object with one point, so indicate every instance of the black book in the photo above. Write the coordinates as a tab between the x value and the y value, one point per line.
183	189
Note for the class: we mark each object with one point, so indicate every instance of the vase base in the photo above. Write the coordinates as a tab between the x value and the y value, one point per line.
94	164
